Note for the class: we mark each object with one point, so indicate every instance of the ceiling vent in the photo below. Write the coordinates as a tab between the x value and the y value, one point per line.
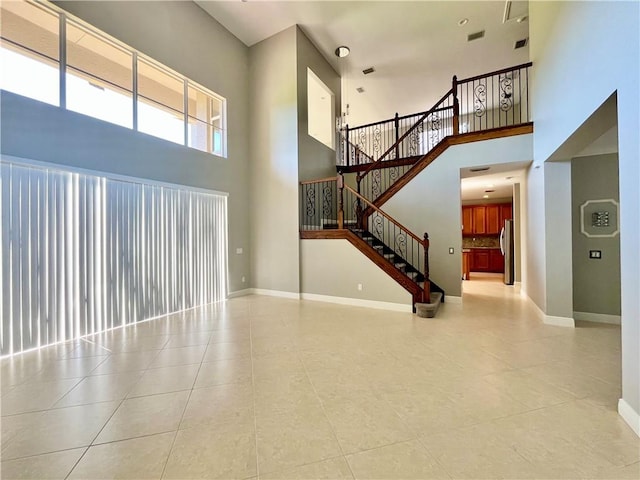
360	90
479	169
521	43
475	36
369	70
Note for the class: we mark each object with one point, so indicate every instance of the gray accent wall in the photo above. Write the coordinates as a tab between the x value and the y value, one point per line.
273	139
181	36
596	283
315	160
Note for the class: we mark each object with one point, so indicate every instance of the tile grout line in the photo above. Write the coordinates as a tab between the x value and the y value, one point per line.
324	412
253	397
184	410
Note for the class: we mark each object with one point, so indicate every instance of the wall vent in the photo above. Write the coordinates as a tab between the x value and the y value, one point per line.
475	36
521	43
369	70
360	90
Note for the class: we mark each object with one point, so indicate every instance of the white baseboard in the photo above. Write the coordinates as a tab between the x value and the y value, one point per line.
559	321
240	293
275	293
629	415
357	302
550	319
452	299
597	317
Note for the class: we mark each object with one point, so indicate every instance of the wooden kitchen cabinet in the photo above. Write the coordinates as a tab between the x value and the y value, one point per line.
467	220
481	260
486	260
496	261
493	219
485	219
479	219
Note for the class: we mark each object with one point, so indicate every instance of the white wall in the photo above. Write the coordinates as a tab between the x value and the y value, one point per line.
582	52
168	32
334	268
431	201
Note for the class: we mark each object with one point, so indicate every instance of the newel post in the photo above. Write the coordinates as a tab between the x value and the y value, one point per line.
346	145
396	121
427	283
340	184
456	106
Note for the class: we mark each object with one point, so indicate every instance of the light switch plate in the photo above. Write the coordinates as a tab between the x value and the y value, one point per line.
450	250
597	254
239	251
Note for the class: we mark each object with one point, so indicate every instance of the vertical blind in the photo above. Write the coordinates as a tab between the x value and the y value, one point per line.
84	253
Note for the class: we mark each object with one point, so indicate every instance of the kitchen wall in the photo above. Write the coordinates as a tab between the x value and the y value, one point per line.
596	283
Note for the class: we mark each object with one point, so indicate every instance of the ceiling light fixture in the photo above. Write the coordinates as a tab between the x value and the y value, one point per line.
463	21
522	19
485	196
342	51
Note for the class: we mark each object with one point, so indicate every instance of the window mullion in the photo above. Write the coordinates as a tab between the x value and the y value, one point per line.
186	112
134	93
63	60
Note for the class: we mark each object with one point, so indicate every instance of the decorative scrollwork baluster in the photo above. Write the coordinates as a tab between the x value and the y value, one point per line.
311	202
435	126
376	180
327	193
401	244
378	225
480	99
506	92
377	141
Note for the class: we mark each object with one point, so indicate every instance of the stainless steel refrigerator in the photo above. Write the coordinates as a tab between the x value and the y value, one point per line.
506	247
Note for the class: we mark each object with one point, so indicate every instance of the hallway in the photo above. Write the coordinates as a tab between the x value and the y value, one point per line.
263	387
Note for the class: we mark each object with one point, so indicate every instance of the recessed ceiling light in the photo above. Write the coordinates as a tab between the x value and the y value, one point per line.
522	19
342	51
485	196
491	185
463	21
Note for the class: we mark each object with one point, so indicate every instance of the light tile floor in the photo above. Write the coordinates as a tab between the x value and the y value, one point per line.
261	387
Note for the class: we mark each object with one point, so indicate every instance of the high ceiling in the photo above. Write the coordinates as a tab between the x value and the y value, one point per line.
415	47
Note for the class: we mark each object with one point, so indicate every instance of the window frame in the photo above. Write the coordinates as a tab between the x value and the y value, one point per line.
136	56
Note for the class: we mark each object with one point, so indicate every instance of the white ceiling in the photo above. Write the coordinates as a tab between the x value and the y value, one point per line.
415	47
500	178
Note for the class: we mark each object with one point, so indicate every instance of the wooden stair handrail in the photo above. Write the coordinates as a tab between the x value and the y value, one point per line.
407	133
496	72
386	215
320	180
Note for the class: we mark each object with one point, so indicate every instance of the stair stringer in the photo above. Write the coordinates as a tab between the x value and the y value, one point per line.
385	265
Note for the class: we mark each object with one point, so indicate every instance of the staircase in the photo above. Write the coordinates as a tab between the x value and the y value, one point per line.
384	156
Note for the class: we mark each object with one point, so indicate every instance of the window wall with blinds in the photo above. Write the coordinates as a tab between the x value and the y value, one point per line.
84	253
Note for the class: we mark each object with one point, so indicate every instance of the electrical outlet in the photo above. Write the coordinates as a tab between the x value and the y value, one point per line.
239	251
360	287
450	250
